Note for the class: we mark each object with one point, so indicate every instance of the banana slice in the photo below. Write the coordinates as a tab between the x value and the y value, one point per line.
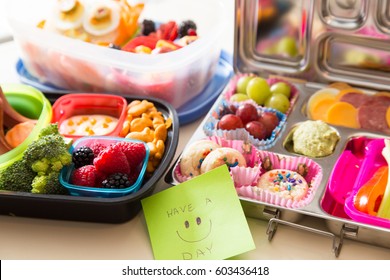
102	18
68	14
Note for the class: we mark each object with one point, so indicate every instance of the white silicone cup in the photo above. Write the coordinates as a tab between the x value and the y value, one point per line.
231	89
247	150
210	127
313	178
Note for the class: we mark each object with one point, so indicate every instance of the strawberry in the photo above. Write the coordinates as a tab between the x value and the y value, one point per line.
147	41
112	160
135	153
84	176
97	147
168	31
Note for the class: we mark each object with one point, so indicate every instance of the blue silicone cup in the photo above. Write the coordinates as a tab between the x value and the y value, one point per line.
66	172
210	126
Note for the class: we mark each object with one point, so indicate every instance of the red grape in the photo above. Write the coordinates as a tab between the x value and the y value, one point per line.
230	122
256	129
247	113
270	121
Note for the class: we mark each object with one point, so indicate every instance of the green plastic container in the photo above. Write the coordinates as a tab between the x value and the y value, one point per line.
31	103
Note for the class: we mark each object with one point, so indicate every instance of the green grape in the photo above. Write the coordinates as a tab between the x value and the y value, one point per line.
278	102
238	97
242	84
287	46
258	90
281	87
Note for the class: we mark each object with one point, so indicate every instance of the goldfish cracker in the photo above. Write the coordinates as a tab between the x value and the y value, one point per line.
146	135
144	122
140	108
161	132
139	124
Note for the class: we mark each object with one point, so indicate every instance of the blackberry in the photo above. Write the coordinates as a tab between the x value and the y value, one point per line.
82	156
185	26
147	27
117	181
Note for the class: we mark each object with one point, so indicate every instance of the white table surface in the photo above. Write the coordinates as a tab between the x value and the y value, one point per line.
28	238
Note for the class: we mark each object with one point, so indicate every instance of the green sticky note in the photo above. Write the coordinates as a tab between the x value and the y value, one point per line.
200	219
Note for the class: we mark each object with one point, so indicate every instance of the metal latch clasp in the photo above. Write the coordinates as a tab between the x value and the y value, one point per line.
346	230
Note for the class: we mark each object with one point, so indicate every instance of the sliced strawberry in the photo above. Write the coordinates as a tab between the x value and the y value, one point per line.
84	176
168	31
147	41
112	160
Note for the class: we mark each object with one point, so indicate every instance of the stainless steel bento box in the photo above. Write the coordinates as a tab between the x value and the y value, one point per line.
336	41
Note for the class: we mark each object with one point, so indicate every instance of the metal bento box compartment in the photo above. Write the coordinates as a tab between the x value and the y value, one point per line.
336	55
92	206
177	76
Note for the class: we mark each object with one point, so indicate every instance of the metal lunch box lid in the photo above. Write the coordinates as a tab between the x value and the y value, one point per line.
320	41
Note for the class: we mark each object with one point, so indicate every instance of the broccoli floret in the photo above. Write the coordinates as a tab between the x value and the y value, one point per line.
17	177
50	129
48	184
39	169
48	146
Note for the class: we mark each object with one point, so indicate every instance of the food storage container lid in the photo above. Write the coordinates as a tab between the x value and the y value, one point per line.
318	41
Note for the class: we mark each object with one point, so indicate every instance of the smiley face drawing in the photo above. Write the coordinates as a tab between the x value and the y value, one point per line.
194	230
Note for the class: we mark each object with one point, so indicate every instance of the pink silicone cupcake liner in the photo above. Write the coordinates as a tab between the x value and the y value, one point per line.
245	176
210	127
232	88
248	151
313	178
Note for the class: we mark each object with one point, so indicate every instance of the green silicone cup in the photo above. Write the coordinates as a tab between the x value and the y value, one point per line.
31	103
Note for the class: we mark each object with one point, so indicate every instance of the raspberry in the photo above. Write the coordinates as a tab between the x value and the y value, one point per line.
117	181
185	26
135	153
84	176
82	156
191	32
112	160
97	148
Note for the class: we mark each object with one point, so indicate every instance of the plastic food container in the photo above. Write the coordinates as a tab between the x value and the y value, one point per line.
66	173
31	103
94	209
83	104
176	77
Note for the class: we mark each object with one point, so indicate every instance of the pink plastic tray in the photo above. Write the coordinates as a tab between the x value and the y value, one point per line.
360	160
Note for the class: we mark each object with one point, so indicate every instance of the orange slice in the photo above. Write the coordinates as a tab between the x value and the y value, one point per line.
388	116
17	134
319	110
339	85
317	97
344	114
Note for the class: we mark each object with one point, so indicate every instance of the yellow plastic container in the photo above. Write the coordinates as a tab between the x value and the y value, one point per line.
31	103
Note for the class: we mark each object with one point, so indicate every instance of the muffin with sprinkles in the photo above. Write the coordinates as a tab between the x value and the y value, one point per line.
284	183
